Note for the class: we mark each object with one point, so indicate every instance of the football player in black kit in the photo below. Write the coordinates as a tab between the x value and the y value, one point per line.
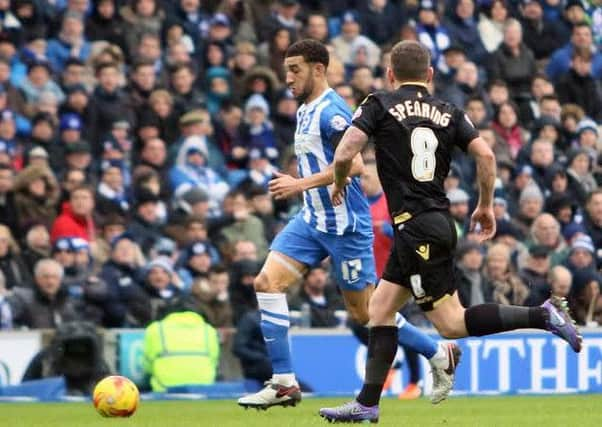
414	134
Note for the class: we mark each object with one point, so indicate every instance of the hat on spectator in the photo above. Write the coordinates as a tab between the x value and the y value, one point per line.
245	48
148	118
77	147
123	236
113	163
165	246
198	248
78	87
120	124
7	114
62	244
457	195
530	192
573	153
570	230
500	201
524	170
571	3
161	262
219	19
539	251
350	16
587	124
70	121
257	101
146	196
556	202
193	117
583	242
79	244
467	246
38	152
191	195
506	228
427	5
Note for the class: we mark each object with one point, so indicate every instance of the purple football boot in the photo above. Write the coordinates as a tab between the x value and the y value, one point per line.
561	323
350	412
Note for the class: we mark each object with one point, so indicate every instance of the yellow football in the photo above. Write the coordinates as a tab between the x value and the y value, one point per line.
116	396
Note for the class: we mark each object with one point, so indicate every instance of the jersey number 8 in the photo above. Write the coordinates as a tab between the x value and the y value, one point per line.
424	144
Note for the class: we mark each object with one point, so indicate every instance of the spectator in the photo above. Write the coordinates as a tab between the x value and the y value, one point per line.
578	86
541	36
574	13
181	349
212	299
105	23
463	30
545	231
143	82
322	298
350	37
47	303
186	97
12	265
111	194
247	226
70	43
491	24
579	171
37	246
458	209
466	85
163	114
507	287
530	205
242	294
141	17
8	210
127	304
535	275
541	159
108	103
587	304
317	27
260	129
284	15
250	348
431	33
560	61
271	53
36	196
472	287
111	226
582	254
506	126
195	264
76	218
560	281
160	284
144	226
514	63
39	81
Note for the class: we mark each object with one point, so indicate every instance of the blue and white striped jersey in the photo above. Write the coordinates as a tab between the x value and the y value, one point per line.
317	124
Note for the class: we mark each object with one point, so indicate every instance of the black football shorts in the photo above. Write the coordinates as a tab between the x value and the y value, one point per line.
422	257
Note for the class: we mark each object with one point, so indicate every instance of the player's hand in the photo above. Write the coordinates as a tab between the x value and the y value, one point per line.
338	193
485	218
284	186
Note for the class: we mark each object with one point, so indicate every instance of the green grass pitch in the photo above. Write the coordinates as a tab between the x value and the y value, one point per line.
548	411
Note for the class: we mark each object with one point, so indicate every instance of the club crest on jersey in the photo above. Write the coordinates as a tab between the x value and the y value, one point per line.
338	123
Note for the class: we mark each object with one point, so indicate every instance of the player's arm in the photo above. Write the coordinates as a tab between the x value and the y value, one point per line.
486	173
352	143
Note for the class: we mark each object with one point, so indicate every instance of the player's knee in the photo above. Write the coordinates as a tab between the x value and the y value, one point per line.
379	314
261	283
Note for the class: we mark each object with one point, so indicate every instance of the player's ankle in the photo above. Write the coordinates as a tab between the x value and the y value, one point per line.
440	360
286	380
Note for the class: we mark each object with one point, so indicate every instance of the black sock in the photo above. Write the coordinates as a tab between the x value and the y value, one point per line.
382	347
485	319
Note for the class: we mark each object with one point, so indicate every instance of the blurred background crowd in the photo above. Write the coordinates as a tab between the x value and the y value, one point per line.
137	139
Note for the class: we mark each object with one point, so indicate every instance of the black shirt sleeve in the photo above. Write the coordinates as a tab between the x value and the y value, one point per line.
465	130
368	115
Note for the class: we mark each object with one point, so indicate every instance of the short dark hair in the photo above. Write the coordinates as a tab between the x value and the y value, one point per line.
311	51
179	66
142	62
549	97
410	60
218	269
103	65
83	187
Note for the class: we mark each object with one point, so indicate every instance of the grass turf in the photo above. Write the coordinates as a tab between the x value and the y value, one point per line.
549	411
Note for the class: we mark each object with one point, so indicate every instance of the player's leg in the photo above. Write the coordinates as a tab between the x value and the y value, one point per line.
291	252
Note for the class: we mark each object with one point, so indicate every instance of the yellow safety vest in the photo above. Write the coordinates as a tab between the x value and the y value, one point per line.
182	349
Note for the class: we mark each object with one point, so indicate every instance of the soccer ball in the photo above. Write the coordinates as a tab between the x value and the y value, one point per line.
116	396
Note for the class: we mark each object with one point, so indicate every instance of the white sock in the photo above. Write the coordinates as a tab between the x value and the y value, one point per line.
440	360
286	380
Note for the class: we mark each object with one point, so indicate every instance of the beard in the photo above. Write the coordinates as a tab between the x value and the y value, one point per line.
307	89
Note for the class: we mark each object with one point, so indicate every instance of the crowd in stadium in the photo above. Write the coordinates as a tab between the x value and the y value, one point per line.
138	138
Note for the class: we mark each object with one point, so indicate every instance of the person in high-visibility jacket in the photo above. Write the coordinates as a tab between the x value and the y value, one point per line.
181	349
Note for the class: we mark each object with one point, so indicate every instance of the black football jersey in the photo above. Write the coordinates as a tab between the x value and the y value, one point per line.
414	134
